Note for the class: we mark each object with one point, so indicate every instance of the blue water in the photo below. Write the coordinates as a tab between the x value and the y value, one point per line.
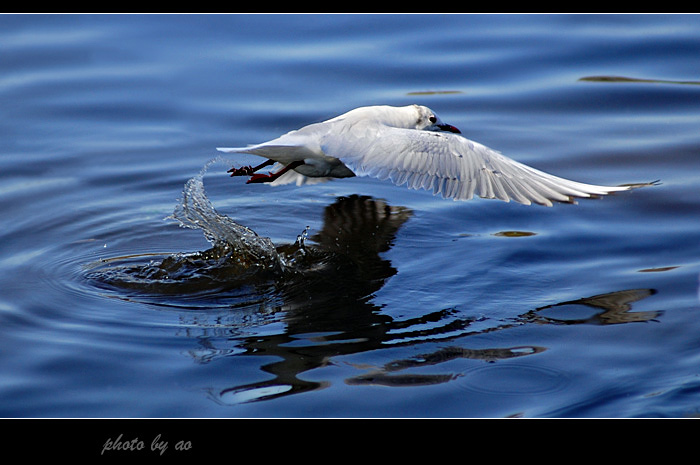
424	307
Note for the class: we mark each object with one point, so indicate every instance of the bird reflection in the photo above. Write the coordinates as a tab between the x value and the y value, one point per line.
324	297
343	265
330	313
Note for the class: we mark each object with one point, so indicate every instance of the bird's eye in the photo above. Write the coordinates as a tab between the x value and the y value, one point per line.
433	119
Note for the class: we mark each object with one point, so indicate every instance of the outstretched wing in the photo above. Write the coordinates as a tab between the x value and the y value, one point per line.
449	164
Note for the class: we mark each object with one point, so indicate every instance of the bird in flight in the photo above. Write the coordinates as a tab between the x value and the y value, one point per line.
408	145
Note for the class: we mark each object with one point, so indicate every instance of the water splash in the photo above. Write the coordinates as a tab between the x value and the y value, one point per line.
195	211
242	268
301	238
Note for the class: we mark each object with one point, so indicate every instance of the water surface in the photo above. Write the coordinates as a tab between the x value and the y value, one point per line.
393	303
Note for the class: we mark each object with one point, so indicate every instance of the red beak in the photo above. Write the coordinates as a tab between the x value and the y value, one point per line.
447	127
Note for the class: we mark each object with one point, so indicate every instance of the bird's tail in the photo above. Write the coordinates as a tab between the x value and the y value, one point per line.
232	149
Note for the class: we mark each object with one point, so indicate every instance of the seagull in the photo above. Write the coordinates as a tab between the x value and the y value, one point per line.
408	145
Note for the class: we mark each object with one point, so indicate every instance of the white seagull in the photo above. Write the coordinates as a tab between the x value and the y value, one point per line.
408	145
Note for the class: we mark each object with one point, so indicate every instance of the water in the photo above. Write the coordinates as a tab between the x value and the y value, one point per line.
394	303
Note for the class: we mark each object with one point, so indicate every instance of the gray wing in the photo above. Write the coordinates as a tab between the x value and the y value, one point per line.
450	165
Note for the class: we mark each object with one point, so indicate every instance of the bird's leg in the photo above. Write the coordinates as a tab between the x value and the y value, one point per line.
248	170
272	176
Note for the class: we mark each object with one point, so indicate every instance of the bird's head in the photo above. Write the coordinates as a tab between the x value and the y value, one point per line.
428	121
409	117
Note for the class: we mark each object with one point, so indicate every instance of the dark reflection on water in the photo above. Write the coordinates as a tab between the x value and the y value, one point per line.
612	308
321	288
342	262
356	327
636	80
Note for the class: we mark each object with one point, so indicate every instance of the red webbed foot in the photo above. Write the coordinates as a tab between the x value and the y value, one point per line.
259	178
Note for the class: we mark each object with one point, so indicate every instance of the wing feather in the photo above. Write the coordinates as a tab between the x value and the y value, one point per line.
450	165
